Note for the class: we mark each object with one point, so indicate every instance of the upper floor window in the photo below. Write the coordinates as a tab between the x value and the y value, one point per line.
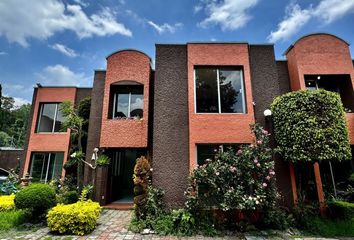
50	118
339	83
128	101
219	90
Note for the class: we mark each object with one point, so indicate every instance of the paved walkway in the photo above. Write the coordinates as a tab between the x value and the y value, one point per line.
113	224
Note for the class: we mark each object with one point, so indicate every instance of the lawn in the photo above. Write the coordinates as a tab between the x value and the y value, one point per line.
11	219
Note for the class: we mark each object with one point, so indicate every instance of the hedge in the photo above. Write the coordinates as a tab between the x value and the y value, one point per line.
341	209
311	126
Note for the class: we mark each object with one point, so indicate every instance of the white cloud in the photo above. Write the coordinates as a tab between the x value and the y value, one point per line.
41	19
295	18
326	11
331	10
64	50
197	8
82	3
3	53
229	14
165	27
20	101
59	75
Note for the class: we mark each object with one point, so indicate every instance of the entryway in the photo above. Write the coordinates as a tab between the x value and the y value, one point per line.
120	177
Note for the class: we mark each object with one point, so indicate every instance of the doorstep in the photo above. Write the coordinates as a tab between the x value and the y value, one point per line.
119	206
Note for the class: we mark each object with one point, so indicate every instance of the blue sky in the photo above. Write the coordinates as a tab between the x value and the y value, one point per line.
61	42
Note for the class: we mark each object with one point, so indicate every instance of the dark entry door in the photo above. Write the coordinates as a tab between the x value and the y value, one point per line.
122	169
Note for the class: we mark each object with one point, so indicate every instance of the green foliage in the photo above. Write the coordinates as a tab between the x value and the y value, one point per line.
8	188
242	180
103	160
141	178
37	198
277	218
341	209
13	122
86	191
78	218
11	219
329	227
7	202
311	126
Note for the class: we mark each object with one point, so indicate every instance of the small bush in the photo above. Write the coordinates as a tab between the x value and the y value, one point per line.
79	218
10	219
341	209
103	160
330	228
69	197
7	202
37	198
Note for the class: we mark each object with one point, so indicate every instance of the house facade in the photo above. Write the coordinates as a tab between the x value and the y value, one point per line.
200	97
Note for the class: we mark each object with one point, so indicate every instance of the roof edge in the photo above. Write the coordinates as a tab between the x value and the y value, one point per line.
129	49
312	34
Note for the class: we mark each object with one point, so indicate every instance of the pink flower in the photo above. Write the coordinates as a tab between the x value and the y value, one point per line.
271	172
264	131
239	152
252	146
268	178
258	165
232	169
265	184
255	161
259	142
217	173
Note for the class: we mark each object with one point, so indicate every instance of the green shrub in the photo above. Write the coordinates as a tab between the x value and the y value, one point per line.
7	202
341	209
103	160
278	219
70	197
78	218
311	126
37	198
329	228
11	219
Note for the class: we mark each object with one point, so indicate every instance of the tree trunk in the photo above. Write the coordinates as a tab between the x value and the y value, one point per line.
320	193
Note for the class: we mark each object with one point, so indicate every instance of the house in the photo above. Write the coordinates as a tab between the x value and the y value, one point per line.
201	96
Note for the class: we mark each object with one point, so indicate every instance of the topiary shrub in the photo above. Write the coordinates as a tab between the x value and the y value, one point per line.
311	126
37	198
7	202
78	218
141	178
341	209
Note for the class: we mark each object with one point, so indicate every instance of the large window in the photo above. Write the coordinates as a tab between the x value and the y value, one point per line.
50	118
219	90
128	101
340	84
208	151
46	166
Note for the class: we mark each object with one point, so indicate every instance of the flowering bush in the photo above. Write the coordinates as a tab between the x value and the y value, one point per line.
242	179
77	218
7	202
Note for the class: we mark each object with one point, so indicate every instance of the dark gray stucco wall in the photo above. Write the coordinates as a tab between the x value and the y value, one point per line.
170	123
283	76
270	79
94	129
81	93
11	159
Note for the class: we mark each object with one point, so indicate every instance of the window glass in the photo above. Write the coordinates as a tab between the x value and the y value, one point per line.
129	101
136	105
50	118
122	105
208	151
47	118
206	90
46	166
231	94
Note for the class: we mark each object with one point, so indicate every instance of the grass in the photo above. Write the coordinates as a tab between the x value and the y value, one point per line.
11	219
330	228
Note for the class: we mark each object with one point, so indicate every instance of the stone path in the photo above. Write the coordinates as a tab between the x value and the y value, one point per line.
113	224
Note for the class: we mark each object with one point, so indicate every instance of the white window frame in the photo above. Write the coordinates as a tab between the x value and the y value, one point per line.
54	119
48	164
115	105
219	96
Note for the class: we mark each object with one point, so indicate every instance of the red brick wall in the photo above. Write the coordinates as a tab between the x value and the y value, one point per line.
218	128
49	142
320	54
122	66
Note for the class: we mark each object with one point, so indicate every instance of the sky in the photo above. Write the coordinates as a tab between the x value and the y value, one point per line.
62	42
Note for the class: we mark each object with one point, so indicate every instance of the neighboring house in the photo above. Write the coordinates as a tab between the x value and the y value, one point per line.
200	97
11	158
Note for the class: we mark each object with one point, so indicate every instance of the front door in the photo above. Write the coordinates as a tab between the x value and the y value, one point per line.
121	185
